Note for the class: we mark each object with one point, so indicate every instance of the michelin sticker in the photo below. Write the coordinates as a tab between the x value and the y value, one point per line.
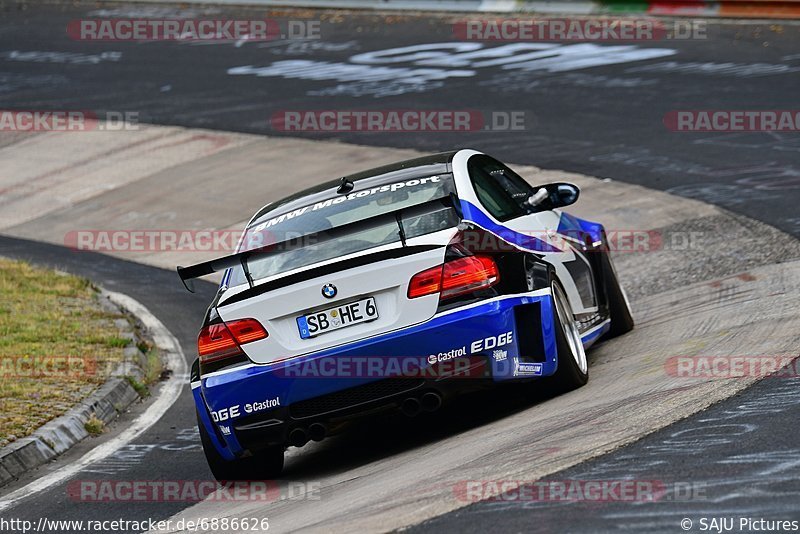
527	368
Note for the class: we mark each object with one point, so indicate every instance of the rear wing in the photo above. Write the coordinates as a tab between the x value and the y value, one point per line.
188	274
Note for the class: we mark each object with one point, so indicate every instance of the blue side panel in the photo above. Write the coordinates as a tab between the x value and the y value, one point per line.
589	339
549	332
476	215
205	420
572	226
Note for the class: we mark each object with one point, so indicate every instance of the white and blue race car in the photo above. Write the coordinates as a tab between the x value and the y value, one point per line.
395	288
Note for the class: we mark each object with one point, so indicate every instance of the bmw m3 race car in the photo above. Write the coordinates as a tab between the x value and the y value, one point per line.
395	288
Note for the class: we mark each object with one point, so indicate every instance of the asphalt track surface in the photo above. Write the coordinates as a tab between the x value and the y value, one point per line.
726	462
605	121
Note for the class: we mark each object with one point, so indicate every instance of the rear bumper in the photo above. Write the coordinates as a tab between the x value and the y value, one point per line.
506	338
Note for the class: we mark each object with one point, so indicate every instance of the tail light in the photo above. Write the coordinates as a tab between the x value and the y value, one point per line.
223	340
426	282
456	277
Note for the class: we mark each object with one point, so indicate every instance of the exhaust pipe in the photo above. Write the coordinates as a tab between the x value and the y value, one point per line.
298	437
431	401
317	431
410	407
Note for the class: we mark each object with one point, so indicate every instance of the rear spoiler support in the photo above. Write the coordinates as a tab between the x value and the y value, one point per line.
402	231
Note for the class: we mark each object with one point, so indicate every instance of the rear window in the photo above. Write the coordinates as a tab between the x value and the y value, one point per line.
368	199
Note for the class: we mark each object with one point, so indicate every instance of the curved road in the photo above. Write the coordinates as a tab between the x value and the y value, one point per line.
605	120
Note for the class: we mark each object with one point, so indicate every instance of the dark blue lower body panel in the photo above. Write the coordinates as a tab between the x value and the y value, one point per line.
503	339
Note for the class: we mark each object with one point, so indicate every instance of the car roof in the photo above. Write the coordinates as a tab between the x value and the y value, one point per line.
401	170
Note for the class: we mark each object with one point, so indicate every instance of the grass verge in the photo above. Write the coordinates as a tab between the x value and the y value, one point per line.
57	344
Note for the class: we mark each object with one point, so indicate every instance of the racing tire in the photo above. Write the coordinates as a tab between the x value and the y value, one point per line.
265	465
573	369
619	310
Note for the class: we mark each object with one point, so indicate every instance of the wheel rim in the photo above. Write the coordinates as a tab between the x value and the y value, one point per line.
569	326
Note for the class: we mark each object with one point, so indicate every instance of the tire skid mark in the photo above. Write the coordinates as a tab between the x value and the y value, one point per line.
72	166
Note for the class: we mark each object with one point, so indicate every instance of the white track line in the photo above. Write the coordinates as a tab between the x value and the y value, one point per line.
168	394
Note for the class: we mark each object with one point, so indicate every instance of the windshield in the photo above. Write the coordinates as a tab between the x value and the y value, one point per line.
368	199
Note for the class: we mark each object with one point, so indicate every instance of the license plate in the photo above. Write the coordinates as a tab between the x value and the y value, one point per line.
314	324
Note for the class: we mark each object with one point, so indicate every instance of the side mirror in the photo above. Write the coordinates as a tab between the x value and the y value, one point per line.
555	195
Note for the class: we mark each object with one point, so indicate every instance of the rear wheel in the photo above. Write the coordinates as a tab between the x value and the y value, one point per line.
265	465
573	369
619	309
